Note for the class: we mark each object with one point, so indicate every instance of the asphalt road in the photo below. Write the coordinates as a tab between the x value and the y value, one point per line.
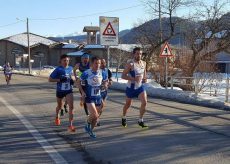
178	133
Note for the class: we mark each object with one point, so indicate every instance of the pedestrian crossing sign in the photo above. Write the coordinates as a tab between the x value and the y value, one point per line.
166	51
109	31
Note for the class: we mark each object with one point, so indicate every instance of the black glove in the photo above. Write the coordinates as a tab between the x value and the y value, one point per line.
63	79
71	82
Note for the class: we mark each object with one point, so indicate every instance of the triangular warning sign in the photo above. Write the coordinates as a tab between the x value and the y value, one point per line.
109	30
166	51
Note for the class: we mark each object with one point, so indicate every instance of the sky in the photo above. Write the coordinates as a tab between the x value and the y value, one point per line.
12	11
83	13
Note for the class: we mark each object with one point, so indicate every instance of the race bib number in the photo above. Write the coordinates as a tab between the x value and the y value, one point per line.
65	86
95	91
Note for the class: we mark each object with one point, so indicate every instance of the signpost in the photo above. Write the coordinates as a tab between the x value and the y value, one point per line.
109	33
165	53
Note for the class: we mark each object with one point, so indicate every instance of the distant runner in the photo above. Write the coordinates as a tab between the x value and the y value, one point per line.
62	75
104	91
94	78
135	73
82	66
7	69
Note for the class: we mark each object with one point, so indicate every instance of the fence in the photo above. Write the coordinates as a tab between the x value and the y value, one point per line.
218	87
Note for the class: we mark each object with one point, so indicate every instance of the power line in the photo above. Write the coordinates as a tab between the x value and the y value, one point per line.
83	16
75	17
10	24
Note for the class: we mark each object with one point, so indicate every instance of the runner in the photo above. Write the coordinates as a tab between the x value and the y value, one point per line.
62	76
104	91
7	69
82	66
94	78
135	73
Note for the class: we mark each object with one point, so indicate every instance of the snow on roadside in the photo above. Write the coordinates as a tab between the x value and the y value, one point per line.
155	90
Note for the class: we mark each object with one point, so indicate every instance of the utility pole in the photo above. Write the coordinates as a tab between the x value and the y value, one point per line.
161	39
28	41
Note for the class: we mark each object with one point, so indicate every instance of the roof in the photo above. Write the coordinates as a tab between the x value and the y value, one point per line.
21	39
70	46
126	47
75	54
223	56
91	28
94	46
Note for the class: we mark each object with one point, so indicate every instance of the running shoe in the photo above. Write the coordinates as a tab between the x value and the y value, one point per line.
89	130
62	112
93	135
65	107
71	128
142	125
57	122
123	122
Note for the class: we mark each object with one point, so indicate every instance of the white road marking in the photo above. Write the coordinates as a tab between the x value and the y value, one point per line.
56	157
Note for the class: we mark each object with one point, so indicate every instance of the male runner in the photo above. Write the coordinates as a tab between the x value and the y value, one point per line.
62	75
104	91
94	78
82	66
135	73
7	69
109	75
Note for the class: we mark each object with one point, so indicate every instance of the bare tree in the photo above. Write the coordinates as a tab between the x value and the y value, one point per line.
119	57
209	37
204	34
149	33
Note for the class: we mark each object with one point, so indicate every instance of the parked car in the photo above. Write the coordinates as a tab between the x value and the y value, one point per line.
1	68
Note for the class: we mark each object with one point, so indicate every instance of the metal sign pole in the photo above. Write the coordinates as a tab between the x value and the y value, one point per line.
108	57
161	38
166	72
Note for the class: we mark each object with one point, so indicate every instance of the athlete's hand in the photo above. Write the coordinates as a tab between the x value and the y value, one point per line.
110	82
63	79
144	80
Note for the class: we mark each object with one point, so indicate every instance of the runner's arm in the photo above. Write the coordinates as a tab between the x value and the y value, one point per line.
110	77
125	73
76	67
144	80
80	87
53	80
84	76
54	76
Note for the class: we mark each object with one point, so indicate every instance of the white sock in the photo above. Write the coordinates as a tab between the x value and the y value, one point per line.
141	120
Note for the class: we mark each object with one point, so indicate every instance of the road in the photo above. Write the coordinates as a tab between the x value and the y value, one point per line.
178	133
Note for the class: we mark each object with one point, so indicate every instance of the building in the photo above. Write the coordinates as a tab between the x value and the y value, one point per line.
91	34
223	62
43	51
101	52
